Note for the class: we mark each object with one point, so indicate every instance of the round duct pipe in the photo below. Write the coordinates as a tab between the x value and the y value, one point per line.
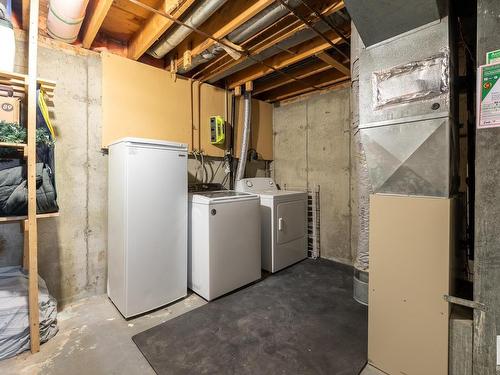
7	41
65	19
199	15
251	27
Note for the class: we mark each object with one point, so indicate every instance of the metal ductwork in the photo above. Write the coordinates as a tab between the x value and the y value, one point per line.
196	17
298	38
383	19
257	23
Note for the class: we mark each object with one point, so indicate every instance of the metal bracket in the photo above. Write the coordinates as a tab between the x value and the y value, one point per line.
465	302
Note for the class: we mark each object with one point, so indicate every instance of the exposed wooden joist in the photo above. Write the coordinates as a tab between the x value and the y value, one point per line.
228	18
26	13
329	59
283	59
276	33
96	12
304	72
154	27
323	79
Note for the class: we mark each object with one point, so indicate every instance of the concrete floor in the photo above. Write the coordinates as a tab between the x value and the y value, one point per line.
94	339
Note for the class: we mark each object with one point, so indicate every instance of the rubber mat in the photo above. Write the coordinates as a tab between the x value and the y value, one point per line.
301	320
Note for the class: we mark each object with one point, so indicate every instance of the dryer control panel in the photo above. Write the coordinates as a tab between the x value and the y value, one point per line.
256	185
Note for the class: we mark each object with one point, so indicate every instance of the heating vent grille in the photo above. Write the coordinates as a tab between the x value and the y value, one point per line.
313	223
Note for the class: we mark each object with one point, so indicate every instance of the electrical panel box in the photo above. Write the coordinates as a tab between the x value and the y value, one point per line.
217	130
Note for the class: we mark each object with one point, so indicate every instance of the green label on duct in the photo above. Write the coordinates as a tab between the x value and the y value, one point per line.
488	96
493	57
491	74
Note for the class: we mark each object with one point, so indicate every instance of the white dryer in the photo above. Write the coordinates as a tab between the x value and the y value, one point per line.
283	222
223	242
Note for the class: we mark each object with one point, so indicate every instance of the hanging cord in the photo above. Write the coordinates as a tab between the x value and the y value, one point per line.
201	160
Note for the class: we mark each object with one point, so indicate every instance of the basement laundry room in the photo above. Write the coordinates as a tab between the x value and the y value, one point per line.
252	187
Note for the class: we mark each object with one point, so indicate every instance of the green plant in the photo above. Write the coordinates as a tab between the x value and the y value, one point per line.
12	132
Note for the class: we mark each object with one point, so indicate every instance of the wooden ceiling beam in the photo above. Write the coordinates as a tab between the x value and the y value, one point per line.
154	27
330	60
304	72
224	62
323	80
26	14
276	33
96	12
227	19
283	59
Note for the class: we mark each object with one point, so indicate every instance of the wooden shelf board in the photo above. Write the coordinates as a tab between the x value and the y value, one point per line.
13	145
11	219
19	81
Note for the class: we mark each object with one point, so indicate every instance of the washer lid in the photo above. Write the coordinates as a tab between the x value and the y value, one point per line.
150	142
284	194
220	196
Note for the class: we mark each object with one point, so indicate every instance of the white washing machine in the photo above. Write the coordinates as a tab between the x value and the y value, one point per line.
284	222
223	242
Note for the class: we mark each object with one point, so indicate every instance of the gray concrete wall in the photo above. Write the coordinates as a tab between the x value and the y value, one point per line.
311	148
487	207
72	247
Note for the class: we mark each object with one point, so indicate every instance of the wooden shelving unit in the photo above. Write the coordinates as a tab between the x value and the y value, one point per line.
14	219
25	86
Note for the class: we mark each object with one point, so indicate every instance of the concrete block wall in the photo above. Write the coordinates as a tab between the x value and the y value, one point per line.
311	148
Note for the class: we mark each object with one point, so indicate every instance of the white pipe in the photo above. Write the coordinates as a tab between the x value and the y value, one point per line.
7	41
65	19
245	139
170	40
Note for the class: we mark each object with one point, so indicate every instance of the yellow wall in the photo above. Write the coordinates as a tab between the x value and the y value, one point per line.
142	101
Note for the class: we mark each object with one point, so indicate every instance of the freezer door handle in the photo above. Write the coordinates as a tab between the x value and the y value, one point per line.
280	224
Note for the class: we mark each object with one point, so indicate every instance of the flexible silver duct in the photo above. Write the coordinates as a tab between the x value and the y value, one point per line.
255	24
363	187
199	15
363	182
245	139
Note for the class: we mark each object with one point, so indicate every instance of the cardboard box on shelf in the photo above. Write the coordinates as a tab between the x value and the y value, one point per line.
9	109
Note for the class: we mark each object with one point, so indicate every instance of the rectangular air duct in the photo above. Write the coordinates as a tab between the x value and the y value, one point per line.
407	117
383	19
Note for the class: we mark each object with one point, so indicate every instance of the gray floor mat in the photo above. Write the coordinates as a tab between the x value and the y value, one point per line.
301	320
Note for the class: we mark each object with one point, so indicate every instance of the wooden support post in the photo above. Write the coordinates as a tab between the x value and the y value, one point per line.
31	171
24	228
186	60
